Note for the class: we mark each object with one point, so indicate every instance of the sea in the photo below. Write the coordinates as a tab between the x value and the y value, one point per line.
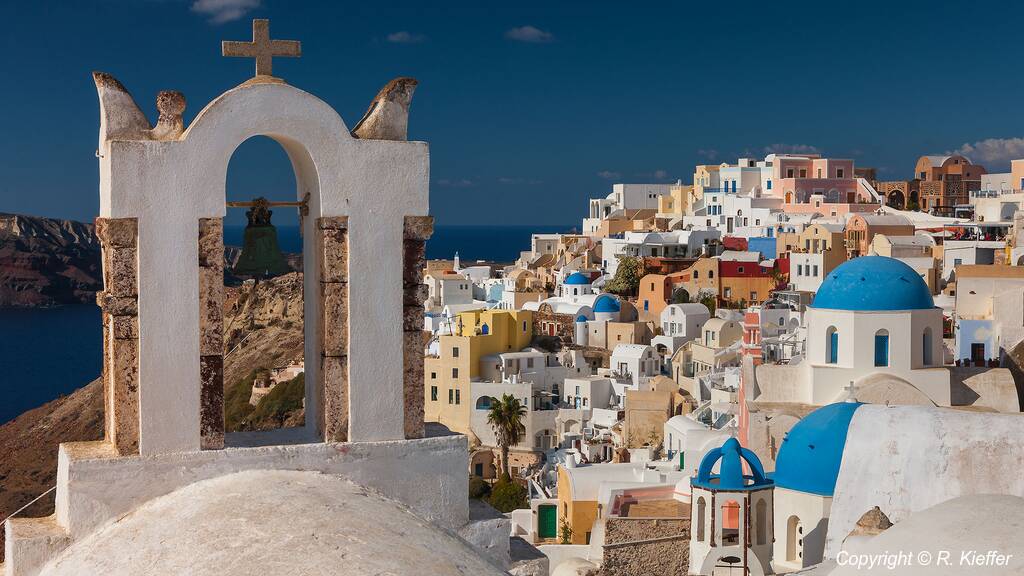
47	353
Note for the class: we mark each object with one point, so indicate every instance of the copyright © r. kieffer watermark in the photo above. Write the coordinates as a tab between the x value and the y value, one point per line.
937	558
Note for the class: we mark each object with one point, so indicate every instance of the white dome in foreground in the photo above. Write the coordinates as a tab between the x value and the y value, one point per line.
271	522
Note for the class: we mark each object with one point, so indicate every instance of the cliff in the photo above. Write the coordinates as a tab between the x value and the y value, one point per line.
263	329
47	262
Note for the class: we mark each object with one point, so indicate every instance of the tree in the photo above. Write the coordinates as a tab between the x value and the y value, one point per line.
627	276
565	532
507	495
709	300
506	419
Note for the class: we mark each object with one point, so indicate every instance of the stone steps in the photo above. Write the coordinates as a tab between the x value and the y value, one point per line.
31	543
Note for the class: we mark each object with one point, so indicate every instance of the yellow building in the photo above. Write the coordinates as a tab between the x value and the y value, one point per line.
476	333
579	514
676	203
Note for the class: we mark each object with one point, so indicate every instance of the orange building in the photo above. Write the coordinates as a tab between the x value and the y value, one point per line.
861	230
946	181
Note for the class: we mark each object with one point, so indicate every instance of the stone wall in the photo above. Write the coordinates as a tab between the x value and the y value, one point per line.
334	393
211	333
646	547
417	229
119	301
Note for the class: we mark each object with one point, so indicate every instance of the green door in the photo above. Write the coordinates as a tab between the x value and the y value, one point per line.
547	521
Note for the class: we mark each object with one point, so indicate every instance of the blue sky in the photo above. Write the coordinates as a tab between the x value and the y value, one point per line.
531	107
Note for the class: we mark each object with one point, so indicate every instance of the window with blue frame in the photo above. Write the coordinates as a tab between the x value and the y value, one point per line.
882	348
769	184
832	340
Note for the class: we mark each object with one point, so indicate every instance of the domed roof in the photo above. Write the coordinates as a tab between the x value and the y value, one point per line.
873	283
730	473
581	318
577	279
606	304
271	522
810	455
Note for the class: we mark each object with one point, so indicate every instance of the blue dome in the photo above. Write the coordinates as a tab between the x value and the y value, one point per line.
581	318
810	455
873	283
577	278
606	304
730	474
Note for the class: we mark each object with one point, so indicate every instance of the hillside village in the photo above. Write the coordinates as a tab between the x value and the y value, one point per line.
745	316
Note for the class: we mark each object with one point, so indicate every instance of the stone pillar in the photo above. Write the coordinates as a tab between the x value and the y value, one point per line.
211	333
417	230
332	242
119	301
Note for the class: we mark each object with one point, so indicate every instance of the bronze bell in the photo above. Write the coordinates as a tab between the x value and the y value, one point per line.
261	255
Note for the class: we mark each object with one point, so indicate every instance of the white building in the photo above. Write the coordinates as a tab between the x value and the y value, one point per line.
635	362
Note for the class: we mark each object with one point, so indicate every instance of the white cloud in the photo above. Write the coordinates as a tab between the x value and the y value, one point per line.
404	37
993	152
609	175
458	183
791	149
529	34
221	11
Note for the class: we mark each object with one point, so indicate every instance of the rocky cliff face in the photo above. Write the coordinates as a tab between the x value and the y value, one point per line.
262	327
47	262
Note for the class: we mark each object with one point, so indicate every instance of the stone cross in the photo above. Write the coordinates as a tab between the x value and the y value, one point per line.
850	390
262	48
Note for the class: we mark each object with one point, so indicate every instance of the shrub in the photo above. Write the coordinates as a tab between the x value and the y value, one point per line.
478	487
507	496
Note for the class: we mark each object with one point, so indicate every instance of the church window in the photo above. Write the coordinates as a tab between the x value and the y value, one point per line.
882	348
701	511
433	393
762	521
832	345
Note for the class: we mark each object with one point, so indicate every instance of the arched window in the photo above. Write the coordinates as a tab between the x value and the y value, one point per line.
485	329
701	511
831	345
794	540
730	523
484	403
926	346
761	517
882	348
711	273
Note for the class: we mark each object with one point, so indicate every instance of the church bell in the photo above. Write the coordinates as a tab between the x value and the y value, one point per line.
261	255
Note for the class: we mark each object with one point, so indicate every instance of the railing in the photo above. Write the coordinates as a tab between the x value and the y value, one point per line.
993	193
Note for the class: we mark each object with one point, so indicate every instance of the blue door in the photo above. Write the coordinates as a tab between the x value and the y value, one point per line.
882	349
833	348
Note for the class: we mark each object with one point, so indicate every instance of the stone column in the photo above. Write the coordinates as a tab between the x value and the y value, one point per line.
417	230
119	301
211	333
332	242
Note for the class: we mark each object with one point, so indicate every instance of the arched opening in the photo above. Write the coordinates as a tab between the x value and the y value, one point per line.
789	197
926	346
896	199
485	402
882	348
485	329
264	348
701	513
794	540
761	520
831	345
730	523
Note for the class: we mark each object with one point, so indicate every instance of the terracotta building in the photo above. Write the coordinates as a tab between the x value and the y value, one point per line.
946	181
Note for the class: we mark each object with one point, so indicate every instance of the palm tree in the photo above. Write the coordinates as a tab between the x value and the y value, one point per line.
506	419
